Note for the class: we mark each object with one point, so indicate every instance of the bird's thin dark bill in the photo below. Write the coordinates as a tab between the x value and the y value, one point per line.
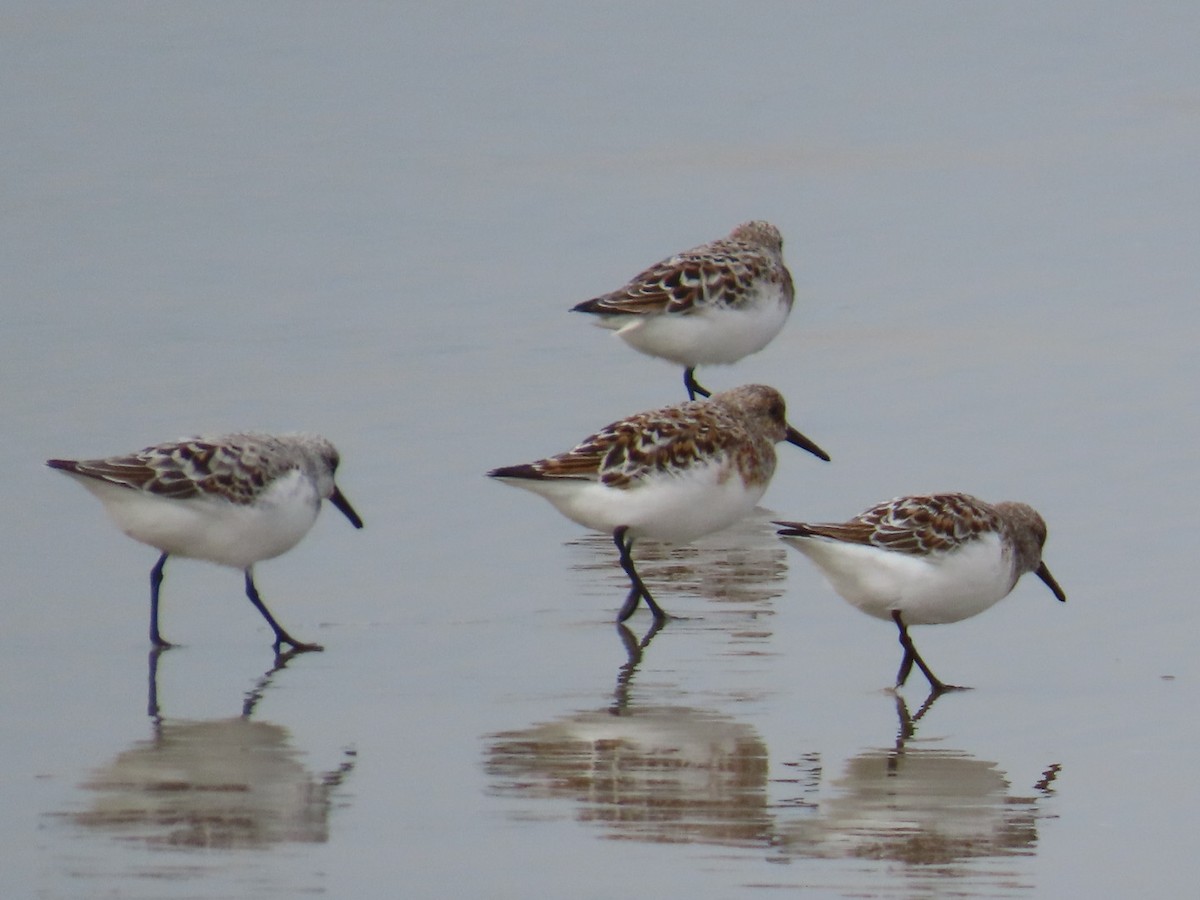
1044	574
795	437
346	509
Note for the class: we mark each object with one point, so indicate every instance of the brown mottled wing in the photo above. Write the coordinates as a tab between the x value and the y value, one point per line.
918	525
233	470
127	471
714	274
629	450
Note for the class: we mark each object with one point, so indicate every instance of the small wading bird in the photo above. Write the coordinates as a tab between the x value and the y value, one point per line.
927	560
671	474
236	499
715	303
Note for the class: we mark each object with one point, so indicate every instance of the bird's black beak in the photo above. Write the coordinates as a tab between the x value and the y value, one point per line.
795	437
1043	573
792	529
346	509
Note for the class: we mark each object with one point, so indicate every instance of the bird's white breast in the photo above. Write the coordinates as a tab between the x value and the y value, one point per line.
667	506
212	528
927	590
709	334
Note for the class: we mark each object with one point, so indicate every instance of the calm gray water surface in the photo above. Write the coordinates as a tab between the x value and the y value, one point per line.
371	221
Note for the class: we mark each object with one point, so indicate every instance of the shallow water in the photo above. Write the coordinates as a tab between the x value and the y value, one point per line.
371	223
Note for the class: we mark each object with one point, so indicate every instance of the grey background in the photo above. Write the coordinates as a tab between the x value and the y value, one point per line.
370	221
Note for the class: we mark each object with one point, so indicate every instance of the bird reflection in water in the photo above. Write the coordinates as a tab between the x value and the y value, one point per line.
219	783
653	773
924	805
744	565
680	774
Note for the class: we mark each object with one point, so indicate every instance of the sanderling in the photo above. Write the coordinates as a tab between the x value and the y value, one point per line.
927	560
715	303
670	474
234	500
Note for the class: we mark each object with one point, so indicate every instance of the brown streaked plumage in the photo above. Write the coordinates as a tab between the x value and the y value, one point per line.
715	303
676	437
234	467
235	499
927	559
918	525
671	474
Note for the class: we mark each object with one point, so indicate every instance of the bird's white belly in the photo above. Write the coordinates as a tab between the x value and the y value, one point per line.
926	590
214	529
705	336
676	508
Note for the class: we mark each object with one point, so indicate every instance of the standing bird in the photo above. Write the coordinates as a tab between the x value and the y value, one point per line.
670	474
927	560
715	303
234	500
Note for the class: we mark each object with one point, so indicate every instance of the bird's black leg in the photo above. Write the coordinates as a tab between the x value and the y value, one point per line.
906	665
936	685
156	577
630	605
694	387
281	636
637	588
